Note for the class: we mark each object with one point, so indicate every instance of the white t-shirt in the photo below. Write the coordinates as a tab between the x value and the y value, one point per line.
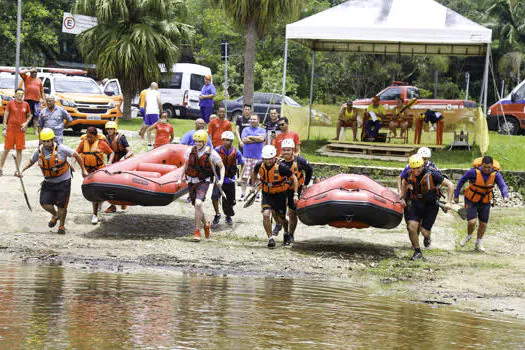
152	103
215	159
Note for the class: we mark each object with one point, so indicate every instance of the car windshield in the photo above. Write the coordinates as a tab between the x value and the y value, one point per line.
77	85
291	102
7	83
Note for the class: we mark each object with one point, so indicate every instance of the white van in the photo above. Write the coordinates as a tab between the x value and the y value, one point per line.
180	89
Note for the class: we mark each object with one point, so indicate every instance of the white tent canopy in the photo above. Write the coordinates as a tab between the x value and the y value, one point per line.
410	27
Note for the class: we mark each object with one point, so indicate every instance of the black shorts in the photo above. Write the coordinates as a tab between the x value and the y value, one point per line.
421	211
276	202
198	190
55	193
477	210
229	191
290	193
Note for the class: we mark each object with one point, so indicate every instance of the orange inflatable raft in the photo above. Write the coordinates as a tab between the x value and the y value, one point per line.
149	179
351	201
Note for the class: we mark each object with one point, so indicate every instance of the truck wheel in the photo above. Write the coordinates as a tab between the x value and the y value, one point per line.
508	126
169	110
235	115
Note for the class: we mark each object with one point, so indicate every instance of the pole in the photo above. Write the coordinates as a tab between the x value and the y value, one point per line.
435	84
311	95
226	94
284	67
467	79
502	89
18	29
486	79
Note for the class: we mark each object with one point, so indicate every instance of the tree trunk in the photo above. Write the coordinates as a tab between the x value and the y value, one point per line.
249	61
128	96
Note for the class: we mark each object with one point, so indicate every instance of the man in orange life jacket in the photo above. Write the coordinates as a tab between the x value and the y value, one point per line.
198	173
56	187
303	171
231	158
92	148
120	146
275	180
478	197
419	196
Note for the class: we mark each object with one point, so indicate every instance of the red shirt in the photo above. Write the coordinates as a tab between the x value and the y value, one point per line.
162	134
17	114
216	128
32	88
282	136
102	146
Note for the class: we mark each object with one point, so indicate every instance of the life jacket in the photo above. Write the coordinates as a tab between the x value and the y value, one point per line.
271	181
92	156
199	167
423	187
54	166
229	161
481	190
294	167
117	147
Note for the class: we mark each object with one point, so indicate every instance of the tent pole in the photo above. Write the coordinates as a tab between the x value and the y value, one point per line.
311	94
284	68
486	79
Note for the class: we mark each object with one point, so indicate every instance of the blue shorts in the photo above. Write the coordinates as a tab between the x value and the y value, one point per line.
151	119
477	210
423	212
142	112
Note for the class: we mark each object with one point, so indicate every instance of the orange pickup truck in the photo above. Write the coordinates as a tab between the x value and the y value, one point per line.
451	109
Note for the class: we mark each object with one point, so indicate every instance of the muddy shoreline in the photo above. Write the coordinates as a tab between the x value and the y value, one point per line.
159	238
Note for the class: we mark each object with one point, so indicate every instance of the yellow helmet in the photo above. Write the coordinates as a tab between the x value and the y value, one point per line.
416	161
47	134
200	135
111	125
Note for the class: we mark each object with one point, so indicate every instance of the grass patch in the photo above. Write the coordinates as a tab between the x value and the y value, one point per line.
402	269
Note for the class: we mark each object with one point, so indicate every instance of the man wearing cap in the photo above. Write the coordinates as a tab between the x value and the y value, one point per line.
53	117
34	93
208	92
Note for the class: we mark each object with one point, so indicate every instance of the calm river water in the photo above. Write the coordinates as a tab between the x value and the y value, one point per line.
55	308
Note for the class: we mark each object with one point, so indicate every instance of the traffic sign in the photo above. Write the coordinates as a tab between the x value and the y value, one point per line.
76	24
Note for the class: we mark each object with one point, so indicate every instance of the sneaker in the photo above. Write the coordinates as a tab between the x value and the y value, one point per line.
243	197
53	221
197	236
427	241
258	197
292	238
276	229
216	219
123	207
271	243
286	239
94	219
464	240
111	209
417	256
207	231
188	200
61	230
229	220
479	247
150	144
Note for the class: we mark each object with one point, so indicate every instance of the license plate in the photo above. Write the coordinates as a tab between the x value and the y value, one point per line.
93	117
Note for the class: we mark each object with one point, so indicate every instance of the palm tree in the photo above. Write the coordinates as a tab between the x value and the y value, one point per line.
131	38
509	23
256	18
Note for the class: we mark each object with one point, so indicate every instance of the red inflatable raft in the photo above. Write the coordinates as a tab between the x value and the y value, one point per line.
347	200
149	179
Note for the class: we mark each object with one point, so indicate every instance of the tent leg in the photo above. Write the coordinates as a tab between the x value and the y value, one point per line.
284	68
311	94
486	79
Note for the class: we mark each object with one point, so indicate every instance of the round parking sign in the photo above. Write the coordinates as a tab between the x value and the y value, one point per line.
69	23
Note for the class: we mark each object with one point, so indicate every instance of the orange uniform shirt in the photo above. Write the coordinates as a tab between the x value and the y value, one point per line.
32	88
17	115
216	128
282	136
162	134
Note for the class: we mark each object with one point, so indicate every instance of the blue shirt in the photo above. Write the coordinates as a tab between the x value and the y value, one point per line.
187	139
407	168
240	161
207	90
54	119
253	150
470	175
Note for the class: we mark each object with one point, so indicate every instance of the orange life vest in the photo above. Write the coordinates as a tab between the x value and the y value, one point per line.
199	167
54	166
481	190
422	187
294	167
117	147
271	181
92	156
229	161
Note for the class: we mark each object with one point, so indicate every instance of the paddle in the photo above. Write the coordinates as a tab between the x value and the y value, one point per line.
251	198
227	207
409	104
22	183
462	212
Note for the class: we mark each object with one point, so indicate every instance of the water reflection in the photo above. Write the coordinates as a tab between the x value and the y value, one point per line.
53	307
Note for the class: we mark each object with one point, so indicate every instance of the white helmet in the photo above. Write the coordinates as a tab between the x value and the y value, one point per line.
424	152
268	152
228	135
288	143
